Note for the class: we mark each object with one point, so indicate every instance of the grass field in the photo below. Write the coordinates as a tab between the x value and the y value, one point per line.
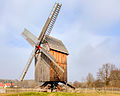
59	94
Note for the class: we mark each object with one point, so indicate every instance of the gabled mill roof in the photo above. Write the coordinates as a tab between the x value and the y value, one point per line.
56	44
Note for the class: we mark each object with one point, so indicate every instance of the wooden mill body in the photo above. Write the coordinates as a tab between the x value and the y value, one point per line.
43	70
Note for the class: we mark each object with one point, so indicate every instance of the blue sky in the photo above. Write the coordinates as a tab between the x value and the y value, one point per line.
90	29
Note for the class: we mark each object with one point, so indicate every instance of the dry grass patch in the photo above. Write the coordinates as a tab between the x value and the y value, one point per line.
59	94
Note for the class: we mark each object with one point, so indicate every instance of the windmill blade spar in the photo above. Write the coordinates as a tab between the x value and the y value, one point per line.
42	34
27	65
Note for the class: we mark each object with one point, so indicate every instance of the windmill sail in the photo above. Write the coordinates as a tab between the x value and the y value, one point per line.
48	59
51	59
53	16
32	39
50	22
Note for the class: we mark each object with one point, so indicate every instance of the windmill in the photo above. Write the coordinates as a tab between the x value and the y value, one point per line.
48	53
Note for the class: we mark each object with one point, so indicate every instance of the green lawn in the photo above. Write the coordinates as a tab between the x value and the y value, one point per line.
59	94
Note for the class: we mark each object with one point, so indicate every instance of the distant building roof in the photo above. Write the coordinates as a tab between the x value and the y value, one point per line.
56	45
2	85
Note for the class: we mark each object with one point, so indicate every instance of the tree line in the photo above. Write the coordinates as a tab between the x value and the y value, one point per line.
107	76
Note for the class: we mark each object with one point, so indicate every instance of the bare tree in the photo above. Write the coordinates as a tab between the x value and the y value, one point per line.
76	84
90	80
104	73
115	78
